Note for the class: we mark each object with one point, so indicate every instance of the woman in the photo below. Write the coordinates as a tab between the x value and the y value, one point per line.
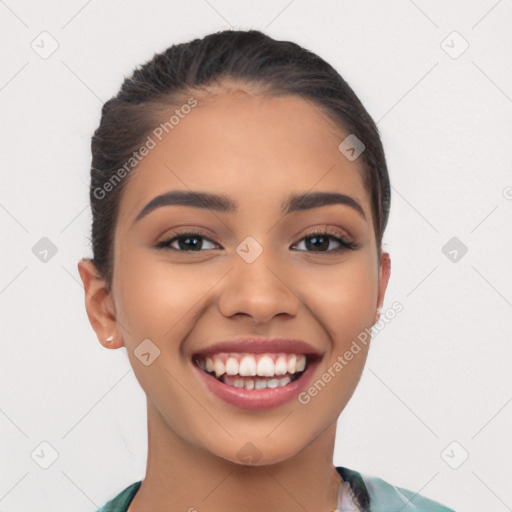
240	193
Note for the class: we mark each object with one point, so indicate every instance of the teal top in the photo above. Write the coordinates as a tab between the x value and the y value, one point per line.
372	494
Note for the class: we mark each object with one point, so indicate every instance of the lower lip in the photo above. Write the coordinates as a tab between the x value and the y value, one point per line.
257	398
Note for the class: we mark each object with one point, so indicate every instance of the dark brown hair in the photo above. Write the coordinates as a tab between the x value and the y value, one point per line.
244	59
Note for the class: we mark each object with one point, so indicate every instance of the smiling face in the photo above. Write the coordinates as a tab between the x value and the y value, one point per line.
252	268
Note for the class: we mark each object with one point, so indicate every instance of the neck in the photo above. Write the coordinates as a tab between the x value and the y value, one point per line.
183	476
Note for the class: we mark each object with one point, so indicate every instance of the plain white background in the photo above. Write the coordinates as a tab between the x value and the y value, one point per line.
437	384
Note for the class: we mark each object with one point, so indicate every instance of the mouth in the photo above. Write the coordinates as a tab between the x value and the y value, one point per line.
256	377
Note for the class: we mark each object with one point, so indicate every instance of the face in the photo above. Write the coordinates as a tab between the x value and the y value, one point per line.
253	268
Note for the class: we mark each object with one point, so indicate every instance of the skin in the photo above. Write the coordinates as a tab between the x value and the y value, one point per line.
256	150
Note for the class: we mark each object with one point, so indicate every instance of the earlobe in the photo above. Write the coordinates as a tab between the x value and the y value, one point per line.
99	305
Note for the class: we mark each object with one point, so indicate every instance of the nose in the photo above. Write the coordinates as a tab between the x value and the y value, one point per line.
261	290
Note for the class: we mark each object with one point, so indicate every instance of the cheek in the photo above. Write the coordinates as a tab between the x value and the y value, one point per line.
156	302
155	297
345	295
159	301
346	301
352	313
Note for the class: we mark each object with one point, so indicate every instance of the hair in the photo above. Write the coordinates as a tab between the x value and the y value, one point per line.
241	59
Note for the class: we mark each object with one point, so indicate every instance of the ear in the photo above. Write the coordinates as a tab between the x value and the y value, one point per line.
384	273
99	305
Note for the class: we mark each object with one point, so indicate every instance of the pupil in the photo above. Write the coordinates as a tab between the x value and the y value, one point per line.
324	244
195	245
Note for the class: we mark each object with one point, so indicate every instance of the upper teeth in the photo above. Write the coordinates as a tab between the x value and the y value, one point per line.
249	365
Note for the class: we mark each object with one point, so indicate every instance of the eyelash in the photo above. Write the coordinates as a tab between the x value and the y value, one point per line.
345	244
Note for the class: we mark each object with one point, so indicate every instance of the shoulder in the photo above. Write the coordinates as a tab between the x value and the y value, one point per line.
377	495
120	502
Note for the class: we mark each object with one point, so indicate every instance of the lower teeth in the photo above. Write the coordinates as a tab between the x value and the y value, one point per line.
257	383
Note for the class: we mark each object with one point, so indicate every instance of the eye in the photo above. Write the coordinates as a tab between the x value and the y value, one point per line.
188	241
319	241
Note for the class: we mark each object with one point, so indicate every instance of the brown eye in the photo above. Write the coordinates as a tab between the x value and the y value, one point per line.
320	242
186	242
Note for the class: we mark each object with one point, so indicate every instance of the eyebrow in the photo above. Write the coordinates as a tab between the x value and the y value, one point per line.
224	204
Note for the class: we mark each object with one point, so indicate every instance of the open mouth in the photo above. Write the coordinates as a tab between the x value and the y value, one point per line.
254	371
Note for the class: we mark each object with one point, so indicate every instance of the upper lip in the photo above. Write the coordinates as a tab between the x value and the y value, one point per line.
260	346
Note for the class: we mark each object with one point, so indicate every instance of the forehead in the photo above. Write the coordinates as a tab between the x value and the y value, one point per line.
253	148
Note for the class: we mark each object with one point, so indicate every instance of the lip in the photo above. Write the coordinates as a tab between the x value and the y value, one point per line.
257	399
260	346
